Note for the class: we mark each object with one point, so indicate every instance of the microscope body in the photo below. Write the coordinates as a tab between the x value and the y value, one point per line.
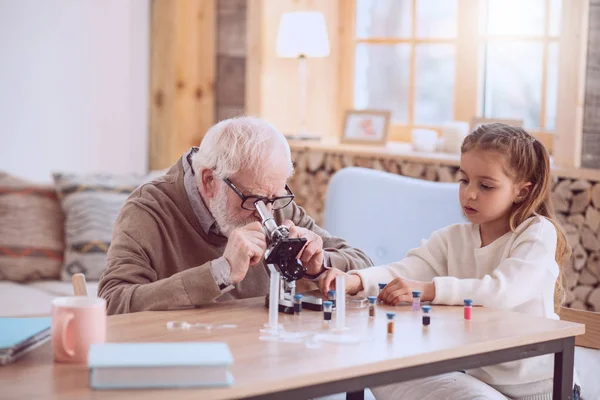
282	256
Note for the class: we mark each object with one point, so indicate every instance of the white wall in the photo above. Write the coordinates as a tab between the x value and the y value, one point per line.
74	77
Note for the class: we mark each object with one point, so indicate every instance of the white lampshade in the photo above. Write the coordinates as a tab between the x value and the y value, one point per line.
302	33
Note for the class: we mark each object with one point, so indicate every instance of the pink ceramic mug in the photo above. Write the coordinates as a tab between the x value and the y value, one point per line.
77	322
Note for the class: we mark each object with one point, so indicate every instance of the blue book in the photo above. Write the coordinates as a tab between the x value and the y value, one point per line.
159	365
20	335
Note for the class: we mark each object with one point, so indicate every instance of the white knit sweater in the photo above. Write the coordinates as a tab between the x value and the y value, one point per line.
516	272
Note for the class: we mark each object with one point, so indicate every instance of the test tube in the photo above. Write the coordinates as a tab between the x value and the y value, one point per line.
381	286
372	301
331	297
426	315
468	308
340	313
297	303
327	309
273	299
390	324
416	300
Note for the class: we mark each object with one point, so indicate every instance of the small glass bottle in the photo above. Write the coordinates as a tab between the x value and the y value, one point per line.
468	308
298	303
426	315
381	286
327	309
416	300
372	300
331	298
390	323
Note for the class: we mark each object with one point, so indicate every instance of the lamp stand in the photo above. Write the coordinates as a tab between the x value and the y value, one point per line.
302	93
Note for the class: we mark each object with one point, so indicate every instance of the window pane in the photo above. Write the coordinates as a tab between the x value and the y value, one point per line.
436	19
381	78
434	83
383	18
555	11
551	86
513	81
516	17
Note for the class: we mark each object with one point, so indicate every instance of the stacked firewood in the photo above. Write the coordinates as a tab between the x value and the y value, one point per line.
576	202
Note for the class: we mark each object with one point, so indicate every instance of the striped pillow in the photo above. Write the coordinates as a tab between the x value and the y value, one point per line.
31	231
91	204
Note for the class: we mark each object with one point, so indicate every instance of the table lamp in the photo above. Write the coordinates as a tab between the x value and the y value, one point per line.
302	34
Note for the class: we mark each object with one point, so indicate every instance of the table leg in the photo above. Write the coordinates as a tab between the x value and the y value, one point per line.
563	370
360	395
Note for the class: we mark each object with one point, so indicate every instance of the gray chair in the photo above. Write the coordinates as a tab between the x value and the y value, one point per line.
385	214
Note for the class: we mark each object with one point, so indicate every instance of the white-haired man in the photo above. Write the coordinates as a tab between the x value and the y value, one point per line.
193	236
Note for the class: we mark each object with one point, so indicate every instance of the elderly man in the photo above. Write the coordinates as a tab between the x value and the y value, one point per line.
193	236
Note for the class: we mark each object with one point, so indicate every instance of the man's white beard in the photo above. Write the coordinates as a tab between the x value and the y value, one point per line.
218	208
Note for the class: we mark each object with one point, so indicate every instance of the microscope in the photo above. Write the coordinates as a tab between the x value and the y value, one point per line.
282	256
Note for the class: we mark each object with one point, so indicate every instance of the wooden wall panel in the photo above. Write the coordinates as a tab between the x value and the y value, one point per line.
279	102
182	99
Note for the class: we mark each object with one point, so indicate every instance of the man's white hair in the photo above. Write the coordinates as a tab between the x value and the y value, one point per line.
241	143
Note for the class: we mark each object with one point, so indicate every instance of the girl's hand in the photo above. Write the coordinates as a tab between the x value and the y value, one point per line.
327	282
400	290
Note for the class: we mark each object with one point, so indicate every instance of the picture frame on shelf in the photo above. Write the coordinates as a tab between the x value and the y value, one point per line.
369	127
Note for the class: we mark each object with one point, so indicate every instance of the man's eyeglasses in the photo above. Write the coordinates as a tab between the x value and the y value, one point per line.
248	202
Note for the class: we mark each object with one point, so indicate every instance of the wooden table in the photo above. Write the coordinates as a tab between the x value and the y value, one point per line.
274	370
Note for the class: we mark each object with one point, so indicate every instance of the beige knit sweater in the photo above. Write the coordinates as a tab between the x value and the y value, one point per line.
160	256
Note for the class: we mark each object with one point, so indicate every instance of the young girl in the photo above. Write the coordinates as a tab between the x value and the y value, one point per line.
507	257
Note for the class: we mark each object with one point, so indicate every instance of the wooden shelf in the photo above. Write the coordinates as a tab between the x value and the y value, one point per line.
404	151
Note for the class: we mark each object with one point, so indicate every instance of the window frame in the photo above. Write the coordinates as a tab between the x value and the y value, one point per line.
469	40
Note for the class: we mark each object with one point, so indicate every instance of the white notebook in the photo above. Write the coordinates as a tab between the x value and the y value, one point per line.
159	365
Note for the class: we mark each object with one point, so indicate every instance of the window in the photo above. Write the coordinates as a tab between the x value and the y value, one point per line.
431	61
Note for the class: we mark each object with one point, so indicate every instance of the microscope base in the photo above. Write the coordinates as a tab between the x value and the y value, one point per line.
286	306
313	303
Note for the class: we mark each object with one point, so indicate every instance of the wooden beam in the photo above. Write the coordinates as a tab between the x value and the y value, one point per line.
182	99
466	104
254	57
346	28
571	82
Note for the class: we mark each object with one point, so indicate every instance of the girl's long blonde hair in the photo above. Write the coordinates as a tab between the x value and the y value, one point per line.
527	161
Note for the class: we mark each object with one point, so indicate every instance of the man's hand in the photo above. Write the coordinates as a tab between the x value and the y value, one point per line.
245	248
327	282
400	290
311	254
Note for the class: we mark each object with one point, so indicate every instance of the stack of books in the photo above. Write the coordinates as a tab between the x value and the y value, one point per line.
20	335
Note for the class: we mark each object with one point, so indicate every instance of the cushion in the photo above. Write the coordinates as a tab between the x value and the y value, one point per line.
31	232
91	204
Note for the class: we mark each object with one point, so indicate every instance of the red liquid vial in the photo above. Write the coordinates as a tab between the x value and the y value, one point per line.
468	308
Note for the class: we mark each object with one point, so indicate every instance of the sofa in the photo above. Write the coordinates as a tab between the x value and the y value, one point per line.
49	232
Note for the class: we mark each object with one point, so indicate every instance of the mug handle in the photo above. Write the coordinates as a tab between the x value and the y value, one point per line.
63	334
